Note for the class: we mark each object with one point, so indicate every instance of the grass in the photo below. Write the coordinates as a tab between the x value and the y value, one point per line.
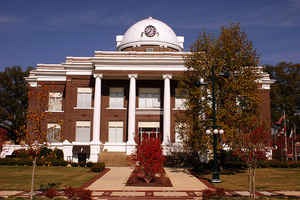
266	179
19	177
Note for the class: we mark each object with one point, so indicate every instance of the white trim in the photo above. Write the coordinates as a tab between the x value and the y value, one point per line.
84	90
109	108
82	108
83	123
79	73
58	111
55	94
141	53
82	143
140	68
33	84
51	125
56	78
149	109
148	124
115	124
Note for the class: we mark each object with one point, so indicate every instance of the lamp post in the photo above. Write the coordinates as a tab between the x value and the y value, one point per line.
215	130
215	175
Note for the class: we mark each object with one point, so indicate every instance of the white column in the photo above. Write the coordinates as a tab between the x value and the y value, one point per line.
131	109
167	109
97	109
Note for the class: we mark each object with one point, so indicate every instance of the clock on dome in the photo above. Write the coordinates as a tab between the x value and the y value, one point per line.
150	31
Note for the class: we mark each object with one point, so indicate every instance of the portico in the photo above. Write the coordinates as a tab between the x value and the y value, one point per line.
159	112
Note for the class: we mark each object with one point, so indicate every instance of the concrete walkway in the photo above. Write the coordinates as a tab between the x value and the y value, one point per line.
116	179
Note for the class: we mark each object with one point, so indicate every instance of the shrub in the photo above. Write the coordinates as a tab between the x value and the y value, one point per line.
293	164
44	152
211	194
150	159
90	164
8	161
98	167
59	154
263	164
275	163
21	153
74	164
82	164
59	163
24	161
49	190
78	193
40	162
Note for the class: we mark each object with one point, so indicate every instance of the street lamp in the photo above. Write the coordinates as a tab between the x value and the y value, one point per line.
215	130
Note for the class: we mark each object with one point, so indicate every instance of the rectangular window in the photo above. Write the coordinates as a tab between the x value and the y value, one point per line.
181	130
116	97
149	49
115	131
180	98
53	132
149	97
83	133
84	97
55	101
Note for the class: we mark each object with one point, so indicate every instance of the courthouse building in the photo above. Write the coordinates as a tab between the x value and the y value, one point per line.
108	99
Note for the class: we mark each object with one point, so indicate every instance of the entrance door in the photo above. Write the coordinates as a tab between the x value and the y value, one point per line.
149	129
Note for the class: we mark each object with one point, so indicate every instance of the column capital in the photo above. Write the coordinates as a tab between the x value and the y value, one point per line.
132	76
167	76
98	75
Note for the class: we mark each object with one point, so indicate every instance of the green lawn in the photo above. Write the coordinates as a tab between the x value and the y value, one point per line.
19	177
266	179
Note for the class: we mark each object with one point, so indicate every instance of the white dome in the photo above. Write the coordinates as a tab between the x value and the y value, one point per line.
150	32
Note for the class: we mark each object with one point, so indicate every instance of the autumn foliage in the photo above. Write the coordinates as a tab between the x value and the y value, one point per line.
254	146
149	158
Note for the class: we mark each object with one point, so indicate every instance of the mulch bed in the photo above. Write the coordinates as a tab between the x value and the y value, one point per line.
162	181
95	178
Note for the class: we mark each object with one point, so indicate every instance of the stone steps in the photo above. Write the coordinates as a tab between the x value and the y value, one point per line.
114	159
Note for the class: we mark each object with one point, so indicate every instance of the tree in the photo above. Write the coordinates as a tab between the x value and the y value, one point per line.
3	137
13	101
285	92
253	147
36	133
237	96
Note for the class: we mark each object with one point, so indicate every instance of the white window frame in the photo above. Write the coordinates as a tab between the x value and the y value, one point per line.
85	91
116	102
149	98
53	132
55	102
113	127
82	124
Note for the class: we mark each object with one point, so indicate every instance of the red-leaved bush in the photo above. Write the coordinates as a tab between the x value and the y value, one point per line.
78	193
149	157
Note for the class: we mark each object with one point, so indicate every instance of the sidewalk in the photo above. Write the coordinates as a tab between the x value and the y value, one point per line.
111	186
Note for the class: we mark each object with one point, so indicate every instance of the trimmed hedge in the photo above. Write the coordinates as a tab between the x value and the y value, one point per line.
98	167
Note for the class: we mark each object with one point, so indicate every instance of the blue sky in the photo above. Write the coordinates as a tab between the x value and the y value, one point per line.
36	31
